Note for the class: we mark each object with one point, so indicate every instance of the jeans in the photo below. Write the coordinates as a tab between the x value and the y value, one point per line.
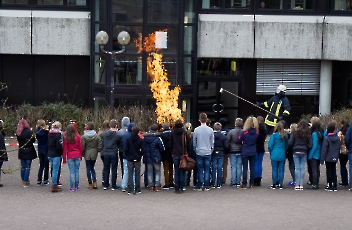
217	163
331	174
91	175
258	165
179	174
124	182
55	165
154	181
278	171
58	172
168	172
315	168
236	167
73	166
343	169
110	160
25	169
300	162
43	167
203	164
245	160
134	178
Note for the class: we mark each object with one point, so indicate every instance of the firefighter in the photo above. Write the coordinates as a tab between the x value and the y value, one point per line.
279	108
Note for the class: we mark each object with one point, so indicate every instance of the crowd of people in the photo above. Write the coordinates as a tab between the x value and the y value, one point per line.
161	148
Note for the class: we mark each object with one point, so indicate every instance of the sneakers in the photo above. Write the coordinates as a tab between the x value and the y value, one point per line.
71	189
297	188
291	183
273	186
343	185
128	193
77	188
334	189
313	187
218	186
197	189
139	192
105	188
213	186
123	190
166	187
39	183
115	188
206	189
59	184
158	189
172	186
279	186
46	183
243	187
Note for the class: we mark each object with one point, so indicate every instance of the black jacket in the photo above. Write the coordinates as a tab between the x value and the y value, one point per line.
330	148
133	148
278	105
261	139
3	153
221	144
165	136
177	142
26	149
55	143
299	145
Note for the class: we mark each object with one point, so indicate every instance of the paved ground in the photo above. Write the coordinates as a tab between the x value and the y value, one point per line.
225	208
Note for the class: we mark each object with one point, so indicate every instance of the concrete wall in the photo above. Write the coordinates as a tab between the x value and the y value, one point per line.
44	32
279	37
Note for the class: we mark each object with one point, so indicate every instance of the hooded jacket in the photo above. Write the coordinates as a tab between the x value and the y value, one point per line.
91	144
315	152
299	145
55	139
232	136
124	138
42	138
26	149
124	129
221	144
133	148
165	136
152	146
110	142
277	147
177	143
330	148
249	142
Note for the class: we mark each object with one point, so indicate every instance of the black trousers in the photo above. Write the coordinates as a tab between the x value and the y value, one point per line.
331	174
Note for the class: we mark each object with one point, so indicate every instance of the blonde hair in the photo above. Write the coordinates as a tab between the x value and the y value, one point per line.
251	122
279	128
314	119
293	127
41	124
188	127
217	126
56	125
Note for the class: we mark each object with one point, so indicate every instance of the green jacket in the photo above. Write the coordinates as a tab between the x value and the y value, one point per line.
92	144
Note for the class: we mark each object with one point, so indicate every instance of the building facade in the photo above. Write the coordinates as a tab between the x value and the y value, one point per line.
48	51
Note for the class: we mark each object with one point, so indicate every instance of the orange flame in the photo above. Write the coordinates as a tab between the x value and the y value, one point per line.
166	100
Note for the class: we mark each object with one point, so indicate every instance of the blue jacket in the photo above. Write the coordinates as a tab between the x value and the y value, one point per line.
152	146
42	138
124	138
348	138
221	144
249	142
315	152
277	147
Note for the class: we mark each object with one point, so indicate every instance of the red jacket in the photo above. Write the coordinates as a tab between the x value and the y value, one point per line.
72	150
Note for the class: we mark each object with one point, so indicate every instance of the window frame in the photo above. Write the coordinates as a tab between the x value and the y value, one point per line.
33	5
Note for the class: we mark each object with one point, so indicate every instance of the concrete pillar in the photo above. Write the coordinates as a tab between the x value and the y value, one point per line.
325	87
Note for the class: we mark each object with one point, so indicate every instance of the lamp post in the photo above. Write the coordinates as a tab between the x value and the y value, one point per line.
102	38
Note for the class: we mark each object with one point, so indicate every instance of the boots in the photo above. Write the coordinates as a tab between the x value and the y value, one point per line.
55	188
95	186
90	186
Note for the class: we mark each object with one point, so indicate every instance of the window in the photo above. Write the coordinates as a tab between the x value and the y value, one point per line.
128	70
165	11
46	3
127	11
237	3
343	5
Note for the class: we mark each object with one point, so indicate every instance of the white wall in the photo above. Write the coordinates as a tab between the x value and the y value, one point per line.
279	37
44	32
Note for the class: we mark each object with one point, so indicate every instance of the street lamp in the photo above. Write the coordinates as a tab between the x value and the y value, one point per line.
102	38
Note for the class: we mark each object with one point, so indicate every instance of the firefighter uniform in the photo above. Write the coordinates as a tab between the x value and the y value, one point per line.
278	105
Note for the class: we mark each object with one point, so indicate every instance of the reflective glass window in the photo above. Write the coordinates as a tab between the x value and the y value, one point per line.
128	70
14	1
50	2
77	2
100	11
99	69
189	11
218	66
237	3
211	4
171	40
165	11
271	4
189	39
187	70
300	4
343	5
134	31
127	10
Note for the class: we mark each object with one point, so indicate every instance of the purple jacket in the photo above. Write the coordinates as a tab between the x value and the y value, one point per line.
249	142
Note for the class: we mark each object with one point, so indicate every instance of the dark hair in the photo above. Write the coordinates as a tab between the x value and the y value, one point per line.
135	130
283	123
154	127
261	121
344	127
317	128
303	130
239	122
223	121
279	128
90	126
166	125
113	123
70	133
331	127
202	117
178	124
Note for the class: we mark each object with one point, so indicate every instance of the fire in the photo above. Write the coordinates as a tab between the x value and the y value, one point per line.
166	100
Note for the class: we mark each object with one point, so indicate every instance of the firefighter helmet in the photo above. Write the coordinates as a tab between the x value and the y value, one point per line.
281	88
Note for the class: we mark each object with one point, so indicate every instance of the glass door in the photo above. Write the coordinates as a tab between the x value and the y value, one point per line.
218	105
